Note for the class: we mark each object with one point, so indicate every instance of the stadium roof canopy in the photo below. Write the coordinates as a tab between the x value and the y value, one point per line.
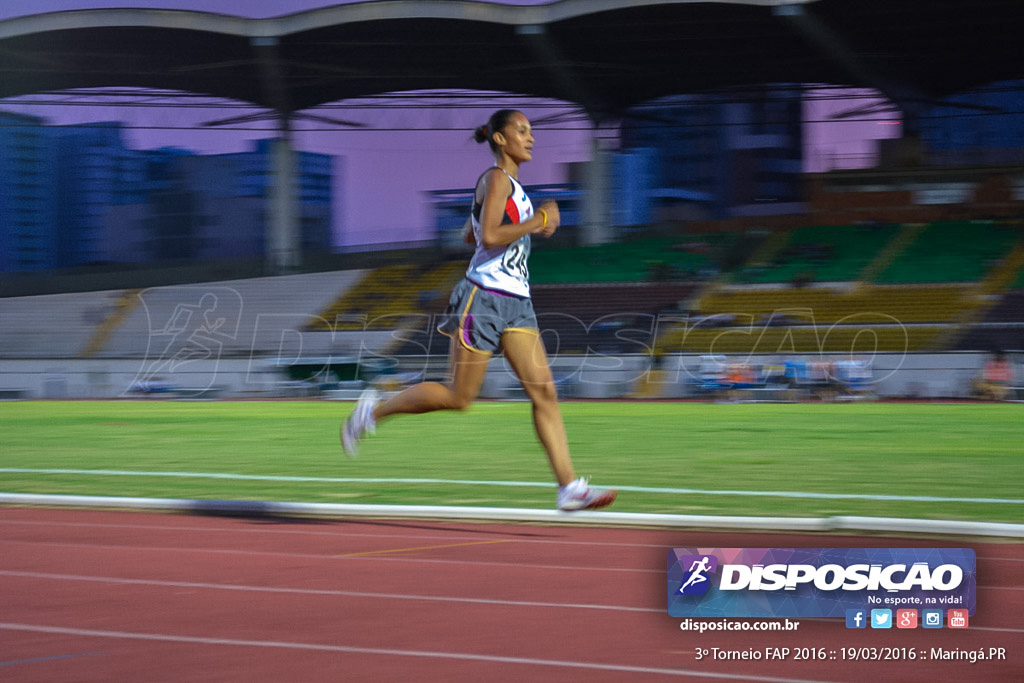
606	55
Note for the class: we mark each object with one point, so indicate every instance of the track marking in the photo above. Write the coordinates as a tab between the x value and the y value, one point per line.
423	547
530	484
312	556
391	652
347	534
339	534
322	592
51	658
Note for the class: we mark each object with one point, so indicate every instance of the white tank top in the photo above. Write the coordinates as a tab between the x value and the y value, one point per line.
503	268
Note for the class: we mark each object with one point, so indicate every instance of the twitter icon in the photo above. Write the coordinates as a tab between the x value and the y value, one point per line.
881	618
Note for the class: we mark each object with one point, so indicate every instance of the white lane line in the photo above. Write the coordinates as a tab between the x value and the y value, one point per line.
321	592
357	594
531	484
392	652
336	558
997	630
469	563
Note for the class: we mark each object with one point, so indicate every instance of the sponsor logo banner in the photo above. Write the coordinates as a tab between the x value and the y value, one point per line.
818	582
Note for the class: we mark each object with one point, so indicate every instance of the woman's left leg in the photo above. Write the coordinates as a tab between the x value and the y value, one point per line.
525	352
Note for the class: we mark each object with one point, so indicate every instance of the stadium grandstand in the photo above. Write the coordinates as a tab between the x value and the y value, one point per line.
880	291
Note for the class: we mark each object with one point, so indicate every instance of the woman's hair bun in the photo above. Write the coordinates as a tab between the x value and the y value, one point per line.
497	122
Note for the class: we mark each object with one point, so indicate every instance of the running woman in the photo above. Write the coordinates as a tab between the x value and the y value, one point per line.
491	309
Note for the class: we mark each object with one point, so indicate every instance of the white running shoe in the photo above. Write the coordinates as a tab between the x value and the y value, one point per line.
578	495
359	423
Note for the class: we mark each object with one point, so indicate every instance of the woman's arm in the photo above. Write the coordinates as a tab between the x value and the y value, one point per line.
495	188
467	232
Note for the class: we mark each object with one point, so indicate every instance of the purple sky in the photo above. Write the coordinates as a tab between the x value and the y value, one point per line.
241	8
382	175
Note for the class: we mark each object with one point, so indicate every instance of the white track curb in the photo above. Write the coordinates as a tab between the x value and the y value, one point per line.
604	518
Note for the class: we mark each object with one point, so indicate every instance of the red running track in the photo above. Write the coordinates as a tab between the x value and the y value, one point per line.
112	596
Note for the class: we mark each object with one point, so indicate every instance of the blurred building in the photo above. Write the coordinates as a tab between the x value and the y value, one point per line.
314	178
94	171
984	126
77	195
736	154
28	232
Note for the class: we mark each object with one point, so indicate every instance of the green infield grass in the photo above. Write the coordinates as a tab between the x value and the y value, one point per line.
926	461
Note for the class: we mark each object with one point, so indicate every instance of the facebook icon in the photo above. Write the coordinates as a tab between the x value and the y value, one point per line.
856	618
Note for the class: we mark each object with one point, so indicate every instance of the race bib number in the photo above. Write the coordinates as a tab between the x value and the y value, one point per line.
515	258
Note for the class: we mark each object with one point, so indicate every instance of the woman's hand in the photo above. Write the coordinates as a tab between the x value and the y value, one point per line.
550	219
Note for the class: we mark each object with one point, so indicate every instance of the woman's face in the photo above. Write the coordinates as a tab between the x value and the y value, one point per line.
518	138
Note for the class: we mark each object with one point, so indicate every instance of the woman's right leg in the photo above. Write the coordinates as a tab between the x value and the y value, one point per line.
468	368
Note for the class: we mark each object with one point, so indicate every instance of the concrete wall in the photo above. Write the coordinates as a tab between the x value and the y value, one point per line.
580	376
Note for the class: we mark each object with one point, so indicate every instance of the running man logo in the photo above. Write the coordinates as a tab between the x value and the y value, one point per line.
189	330
695	581
802	582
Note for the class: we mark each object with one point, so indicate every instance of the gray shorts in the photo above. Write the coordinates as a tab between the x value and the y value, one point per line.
478	317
